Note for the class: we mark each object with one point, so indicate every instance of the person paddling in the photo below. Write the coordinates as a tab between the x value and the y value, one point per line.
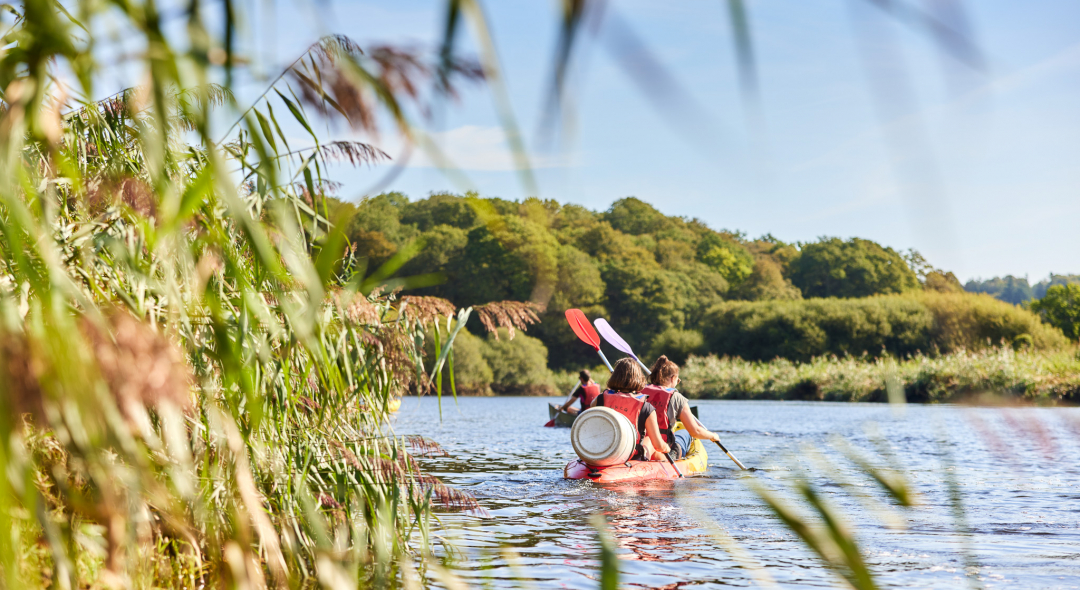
672	406
586	393
625	382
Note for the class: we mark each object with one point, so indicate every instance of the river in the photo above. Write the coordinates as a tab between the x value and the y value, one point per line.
1018	470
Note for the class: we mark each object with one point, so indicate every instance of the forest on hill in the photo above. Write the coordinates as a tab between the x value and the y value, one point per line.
673	285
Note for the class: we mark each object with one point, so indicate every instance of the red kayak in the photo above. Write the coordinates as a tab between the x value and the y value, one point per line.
695	461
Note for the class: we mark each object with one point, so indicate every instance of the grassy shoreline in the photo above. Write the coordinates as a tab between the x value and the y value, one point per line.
1035	376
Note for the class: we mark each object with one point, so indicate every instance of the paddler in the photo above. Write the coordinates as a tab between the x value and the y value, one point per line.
672	406
626	381
586	392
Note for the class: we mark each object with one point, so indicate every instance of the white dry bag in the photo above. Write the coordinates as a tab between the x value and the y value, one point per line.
603	437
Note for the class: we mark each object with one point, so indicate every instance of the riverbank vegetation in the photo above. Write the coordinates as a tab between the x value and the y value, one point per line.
196	372
1022	375
675	286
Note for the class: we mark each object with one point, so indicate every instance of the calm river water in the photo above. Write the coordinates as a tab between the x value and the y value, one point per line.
1019	471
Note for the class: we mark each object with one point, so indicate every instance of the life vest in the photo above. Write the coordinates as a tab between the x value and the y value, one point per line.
660	398
628	406
588	395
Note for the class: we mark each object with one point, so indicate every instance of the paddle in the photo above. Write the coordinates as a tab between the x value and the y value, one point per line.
615	340
672	461
728	453
584	330
551	422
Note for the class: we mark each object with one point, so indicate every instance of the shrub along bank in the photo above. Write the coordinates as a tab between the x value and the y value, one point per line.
936	332
898	325
1026	374
502	365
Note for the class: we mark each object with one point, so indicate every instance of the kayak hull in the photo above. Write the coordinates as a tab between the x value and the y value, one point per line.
562	418
696	461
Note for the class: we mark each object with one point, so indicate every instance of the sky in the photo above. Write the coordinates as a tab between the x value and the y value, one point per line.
864	126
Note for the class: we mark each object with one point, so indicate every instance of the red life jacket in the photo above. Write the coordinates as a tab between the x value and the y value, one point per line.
627	405
588	395
660	399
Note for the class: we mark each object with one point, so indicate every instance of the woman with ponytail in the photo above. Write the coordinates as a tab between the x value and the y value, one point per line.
671	406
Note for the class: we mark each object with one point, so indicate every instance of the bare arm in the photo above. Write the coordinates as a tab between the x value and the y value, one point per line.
652	428
694	427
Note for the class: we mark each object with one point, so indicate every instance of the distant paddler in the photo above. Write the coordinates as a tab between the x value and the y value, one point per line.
585	392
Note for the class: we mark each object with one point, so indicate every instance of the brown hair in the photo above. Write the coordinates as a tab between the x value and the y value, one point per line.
584	376
663	371
626	377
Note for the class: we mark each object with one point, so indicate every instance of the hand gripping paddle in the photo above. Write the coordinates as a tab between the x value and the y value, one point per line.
584	330
615	340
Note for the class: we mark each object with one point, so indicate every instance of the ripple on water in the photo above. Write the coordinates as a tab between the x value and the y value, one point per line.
1020	499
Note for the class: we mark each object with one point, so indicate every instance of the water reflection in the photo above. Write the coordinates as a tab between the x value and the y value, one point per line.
1018	470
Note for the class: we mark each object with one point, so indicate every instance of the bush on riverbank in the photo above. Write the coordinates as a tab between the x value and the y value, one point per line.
1031	375
505	366
907	324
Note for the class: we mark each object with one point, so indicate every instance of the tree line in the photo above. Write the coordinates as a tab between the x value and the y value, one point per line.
671	284
1017	290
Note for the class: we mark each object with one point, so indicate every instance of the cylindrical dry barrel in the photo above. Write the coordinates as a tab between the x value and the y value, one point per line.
602	437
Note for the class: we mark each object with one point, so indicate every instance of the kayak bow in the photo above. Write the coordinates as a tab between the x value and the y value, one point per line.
696	461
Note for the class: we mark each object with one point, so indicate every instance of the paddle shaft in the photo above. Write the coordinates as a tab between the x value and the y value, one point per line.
672	461
728	453
561	410
604	358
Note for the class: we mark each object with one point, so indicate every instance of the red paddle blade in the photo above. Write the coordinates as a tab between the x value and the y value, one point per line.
581	326
550	423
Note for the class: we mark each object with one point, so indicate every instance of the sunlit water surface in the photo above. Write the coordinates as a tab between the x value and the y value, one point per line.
1018	470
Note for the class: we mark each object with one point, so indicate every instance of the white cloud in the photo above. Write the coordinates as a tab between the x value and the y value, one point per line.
476	148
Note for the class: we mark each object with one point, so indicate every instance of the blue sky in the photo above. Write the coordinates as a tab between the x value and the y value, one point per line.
866	127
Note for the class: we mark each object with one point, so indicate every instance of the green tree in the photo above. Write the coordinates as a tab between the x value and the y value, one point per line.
766	282
1060	307
579	283
945	282
677	344
833	267
382	213
439	209
732	261
1008	288
1039	289
519	365
635	217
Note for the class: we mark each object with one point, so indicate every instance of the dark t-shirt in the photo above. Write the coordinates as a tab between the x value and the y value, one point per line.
646	410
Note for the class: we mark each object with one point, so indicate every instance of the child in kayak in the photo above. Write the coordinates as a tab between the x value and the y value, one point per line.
625	382
586	392
672	406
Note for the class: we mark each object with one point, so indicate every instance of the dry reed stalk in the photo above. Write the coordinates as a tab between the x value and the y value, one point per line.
22	374
509	315
142	367
358	310
425	310
425	447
